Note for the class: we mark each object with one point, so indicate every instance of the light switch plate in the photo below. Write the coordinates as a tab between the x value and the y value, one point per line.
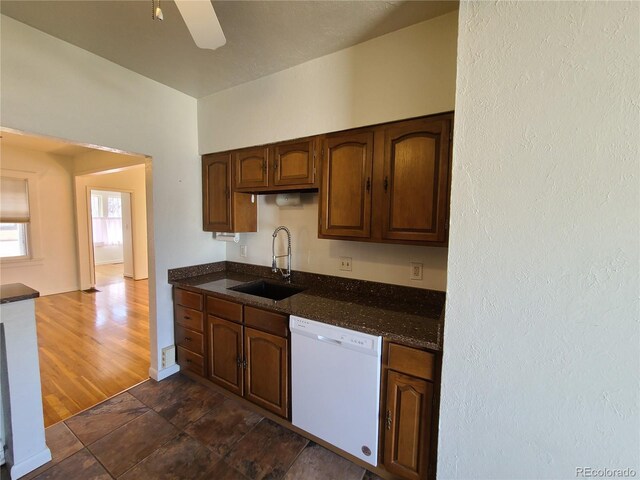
243	250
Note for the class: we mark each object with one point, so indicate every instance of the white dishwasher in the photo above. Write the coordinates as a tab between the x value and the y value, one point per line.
335	385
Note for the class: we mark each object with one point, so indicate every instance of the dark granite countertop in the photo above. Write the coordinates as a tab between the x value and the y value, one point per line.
14	292
410	316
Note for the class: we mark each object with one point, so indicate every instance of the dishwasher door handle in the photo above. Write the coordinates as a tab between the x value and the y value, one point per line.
328	340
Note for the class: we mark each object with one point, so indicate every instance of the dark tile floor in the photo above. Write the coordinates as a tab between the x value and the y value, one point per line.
179	429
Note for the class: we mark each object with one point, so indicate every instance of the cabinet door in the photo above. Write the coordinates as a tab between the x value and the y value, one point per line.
294	164
251	168
345	198
216	192
267	374
416	174
407	433
225	354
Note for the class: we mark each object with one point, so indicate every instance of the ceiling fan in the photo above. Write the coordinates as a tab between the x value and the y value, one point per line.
201	20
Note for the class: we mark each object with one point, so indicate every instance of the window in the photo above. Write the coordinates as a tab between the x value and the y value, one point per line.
14	217
96	205
106	212
114	206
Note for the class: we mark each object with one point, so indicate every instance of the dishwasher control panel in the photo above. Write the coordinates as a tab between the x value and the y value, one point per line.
336	335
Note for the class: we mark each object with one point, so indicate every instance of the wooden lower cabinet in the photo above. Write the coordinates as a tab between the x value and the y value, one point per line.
225	354
250	362
188	324
267	372
409	411
407	425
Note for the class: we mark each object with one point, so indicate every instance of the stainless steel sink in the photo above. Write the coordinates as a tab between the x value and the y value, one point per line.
266	289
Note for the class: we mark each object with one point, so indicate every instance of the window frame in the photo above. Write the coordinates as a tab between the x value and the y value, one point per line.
33	231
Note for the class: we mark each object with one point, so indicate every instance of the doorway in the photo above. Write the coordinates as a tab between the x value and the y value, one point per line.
110	220
112	226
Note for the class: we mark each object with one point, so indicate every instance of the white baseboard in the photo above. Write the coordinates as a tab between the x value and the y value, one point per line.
30	464
158	375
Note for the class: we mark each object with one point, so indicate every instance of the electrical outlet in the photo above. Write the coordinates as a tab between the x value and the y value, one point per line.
243	250
168	356
416	271
345	263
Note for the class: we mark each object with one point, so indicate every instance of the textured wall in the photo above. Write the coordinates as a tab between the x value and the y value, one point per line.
541	340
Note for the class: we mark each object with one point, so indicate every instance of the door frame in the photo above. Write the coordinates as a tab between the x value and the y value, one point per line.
92	260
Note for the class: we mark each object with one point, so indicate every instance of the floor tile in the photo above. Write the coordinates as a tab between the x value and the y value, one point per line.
181	458
318	463
177	398
370	476
62	443
79	465
266	452
129	444
105	417
221	428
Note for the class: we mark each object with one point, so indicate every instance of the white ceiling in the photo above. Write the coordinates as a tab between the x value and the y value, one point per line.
263	37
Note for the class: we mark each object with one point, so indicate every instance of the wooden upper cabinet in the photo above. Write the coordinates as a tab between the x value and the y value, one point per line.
223	209
216	192
407	438
251	168
416	180
294	163
345	199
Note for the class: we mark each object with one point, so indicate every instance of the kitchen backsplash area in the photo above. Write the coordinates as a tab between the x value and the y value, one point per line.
369	261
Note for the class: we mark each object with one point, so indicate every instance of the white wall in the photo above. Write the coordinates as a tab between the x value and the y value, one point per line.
406	73
541	371
131	179
50	87
53	268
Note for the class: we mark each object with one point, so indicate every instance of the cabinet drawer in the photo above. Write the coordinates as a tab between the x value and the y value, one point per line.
224	309
411	361
190	361
190	340
189	318
188	299
271	322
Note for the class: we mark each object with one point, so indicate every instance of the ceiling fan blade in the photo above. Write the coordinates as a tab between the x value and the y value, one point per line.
202	23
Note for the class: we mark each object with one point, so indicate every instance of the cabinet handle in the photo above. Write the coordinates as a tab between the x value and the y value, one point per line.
244	363
187	317
188	339
386	183
388	420
227	192
188	361
368	184
275	165
264	166
239	362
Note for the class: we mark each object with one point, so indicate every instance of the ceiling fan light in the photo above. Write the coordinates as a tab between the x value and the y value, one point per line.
159	15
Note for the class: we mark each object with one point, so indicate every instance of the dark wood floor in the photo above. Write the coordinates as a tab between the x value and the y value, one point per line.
92	346
180	429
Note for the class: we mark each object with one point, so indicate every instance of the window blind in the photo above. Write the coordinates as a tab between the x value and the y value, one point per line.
14	200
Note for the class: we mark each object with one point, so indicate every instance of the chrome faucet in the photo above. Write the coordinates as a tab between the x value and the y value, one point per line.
274	265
